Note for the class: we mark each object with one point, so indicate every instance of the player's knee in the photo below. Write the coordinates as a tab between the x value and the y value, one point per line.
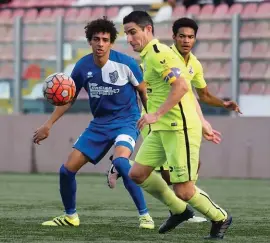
75	161
184	191
121	151
133	175
184	195
71	165
136	176
139	173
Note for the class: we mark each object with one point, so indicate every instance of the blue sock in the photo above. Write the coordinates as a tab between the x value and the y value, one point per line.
68	189
122	166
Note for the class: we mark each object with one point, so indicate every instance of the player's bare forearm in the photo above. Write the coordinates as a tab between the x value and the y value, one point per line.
199	110
206	97
58	112
210	99
141	89
178	89
143	98
213	101
207	128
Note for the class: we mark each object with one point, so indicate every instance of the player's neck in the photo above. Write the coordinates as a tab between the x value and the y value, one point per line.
185	56
101	61
148	40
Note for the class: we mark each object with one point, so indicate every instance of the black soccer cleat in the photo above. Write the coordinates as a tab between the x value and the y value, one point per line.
219	228
175	219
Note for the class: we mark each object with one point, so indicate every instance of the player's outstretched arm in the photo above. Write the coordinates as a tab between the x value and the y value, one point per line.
58	112
178	89
212	100
206	97
43	132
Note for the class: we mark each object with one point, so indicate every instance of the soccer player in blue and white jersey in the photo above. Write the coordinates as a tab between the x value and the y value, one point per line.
112	81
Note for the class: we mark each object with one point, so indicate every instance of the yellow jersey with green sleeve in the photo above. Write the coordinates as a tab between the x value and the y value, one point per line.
194	70
161	68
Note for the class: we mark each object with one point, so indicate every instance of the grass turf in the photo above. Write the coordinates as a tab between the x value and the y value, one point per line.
110	216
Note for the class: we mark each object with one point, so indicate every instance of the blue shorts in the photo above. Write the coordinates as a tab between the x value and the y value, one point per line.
95	142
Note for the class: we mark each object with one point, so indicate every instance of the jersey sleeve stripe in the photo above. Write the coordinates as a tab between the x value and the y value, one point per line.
133	79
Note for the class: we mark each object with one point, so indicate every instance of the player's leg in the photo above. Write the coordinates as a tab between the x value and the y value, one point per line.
113	175
184	174
165	173
150	156
91	146
68	188
124	146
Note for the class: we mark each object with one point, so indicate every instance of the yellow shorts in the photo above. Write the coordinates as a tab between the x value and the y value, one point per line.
144	134
180	148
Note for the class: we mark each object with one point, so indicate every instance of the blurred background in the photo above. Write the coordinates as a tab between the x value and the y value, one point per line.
40	37
233	46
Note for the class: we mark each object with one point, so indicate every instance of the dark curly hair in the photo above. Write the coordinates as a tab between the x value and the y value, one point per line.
101	25
184	22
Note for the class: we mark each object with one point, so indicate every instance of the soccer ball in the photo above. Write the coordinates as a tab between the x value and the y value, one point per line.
59	89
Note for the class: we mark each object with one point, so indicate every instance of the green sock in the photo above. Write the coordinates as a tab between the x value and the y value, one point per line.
203	203
159	189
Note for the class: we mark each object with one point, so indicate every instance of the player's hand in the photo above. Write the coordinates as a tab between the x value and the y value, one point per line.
41	134
210	134
146	120
231	105
214	137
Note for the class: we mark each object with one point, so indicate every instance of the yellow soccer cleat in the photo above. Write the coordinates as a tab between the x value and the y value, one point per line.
146	222
63	220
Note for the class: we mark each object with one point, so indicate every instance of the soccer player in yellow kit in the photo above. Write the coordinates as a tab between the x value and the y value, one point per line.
176	131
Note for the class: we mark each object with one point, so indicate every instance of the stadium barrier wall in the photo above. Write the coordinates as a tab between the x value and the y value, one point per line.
243	153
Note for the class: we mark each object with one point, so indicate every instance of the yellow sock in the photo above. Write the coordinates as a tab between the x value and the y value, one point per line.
159	189
203	203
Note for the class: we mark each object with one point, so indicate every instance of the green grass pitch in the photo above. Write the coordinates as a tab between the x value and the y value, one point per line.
110	216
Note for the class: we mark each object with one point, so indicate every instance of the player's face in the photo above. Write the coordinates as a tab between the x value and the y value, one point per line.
101	44
136	36
185	40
